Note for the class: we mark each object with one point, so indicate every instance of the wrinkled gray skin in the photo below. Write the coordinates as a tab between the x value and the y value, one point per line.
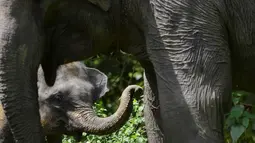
194	52
66	107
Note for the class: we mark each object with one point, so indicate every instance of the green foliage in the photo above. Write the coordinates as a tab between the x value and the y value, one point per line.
239	122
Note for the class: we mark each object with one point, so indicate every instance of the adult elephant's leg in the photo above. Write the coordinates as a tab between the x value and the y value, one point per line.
151	106
19	61
192	67
192	96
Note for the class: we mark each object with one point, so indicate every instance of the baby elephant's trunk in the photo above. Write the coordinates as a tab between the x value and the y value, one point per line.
89	122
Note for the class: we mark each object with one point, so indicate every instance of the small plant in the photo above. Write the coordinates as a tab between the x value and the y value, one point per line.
239	122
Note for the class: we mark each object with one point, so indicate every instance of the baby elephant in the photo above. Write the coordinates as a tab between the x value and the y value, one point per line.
66	107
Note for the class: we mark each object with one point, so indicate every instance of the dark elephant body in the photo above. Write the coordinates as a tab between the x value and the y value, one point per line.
195	51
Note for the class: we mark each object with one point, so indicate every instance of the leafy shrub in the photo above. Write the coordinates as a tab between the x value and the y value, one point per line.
239	124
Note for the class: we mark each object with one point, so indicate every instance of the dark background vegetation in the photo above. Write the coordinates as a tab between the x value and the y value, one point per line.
123	70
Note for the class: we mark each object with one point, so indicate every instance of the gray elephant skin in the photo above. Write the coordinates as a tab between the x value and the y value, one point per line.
66	107
194	53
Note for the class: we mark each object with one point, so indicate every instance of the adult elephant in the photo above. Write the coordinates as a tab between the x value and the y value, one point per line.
192	51
66	107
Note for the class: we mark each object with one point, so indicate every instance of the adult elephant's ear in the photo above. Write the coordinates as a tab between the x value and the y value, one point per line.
99	80
103	4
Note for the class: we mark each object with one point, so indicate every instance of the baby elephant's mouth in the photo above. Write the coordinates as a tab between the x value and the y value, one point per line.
55	125
62	128
57	128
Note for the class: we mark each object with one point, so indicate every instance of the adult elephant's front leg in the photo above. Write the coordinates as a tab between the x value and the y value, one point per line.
152	116
20	58
192	95
193	77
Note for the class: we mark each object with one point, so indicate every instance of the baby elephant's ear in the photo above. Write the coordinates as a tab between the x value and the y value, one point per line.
99	80
103	4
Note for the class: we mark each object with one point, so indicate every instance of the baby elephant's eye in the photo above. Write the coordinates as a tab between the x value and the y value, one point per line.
58	96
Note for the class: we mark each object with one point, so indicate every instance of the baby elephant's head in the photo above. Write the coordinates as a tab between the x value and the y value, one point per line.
66	107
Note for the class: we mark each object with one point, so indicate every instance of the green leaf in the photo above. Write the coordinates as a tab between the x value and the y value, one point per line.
245	122
236	132
237	111
236	100
249	115
230	121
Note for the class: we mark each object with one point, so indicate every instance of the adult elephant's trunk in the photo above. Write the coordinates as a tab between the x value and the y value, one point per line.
89	122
